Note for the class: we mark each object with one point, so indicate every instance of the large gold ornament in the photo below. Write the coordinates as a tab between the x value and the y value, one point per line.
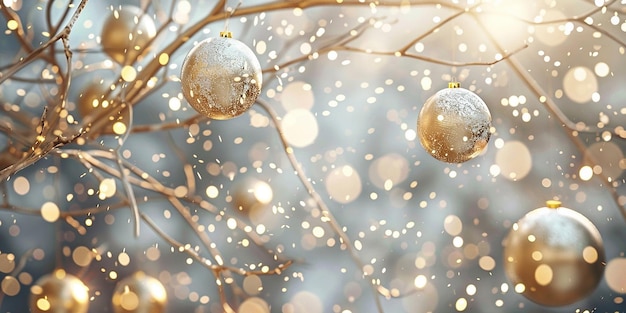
221	77
554	255
59	292
126	33
454	125
139	293
105	117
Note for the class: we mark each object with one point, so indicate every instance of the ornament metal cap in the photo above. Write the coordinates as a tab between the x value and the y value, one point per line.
226	34
454	85
553	204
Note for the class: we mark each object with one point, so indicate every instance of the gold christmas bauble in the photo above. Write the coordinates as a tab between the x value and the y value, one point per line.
139	293
251	197
221	78
59	292
126	32
11	155
554	255
93	103
454	125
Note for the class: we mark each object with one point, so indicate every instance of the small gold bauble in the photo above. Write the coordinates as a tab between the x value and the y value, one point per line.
454	125
127	31
59	292
106	120
221	78
251	197
139	293
554	255
11	155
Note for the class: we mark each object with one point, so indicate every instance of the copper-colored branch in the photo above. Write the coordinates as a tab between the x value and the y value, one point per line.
153	66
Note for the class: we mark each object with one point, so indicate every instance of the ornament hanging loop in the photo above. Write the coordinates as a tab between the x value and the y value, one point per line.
553	204
454	84
229	13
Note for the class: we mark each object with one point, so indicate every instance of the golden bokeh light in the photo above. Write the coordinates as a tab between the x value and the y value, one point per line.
580	84
615	274
514	160
300	127
297	95
50	212
343	184
388	170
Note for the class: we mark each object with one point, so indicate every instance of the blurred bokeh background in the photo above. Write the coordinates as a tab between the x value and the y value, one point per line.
551	73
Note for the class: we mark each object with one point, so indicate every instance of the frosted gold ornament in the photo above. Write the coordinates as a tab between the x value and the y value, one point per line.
221	77
454	125
554	255
127	32
59	292
106	118
139	293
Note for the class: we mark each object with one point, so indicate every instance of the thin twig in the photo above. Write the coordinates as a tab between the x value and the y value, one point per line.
326	212
39	149
551	107
217	270
34	54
